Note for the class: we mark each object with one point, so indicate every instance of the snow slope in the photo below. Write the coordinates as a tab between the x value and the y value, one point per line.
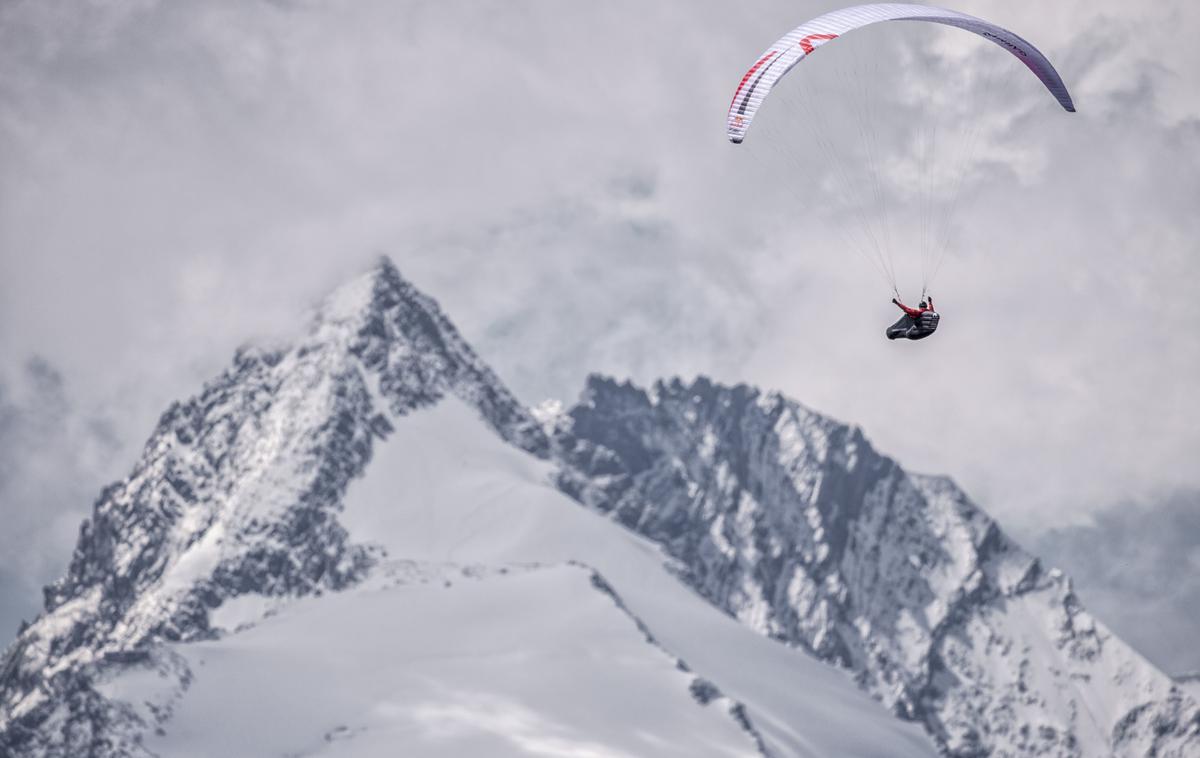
440	660
444	489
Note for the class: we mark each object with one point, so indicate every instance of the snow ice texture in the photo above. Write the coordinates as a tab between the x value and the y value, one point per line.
363	544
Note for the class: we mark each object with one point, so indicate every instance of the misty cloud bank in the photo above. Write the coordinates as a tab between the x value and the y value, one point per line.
181	177
53	461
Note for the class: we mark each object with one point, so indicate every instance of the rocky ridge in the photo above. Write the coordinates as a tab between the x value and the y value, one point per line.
792	522
237	492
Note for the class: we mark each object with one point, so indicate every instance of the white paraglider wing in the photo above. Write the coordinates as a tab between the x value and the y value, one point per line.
804	39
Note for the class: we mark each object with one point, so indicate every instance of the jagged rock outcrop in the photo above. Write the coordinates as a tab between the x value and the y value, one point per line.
237	492
794	524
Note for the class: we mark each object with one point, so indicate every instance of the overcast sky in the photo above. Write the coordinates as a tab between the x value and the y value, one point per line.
177	178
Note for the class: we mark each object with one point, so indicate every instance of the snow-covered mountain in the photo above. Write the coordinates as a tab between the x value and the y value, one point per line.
795	525
363	543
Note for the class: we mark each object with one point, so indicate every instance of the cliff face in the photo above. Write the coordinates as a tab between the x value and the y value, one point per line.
795	525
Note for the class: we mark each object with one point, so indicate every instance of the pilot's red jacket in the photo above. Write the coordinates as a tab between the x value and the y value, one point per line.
915	312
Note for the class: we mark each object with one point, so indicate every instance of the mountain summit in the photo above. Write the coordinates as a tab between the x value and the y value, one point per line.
364	542
237	492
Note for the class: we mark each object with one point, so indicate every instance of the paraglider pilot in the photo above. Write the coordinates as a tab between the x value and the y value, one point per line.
916	323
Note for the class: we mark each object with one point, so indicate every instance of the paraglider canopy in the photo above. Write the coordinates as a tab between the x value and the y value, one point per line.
857	180
794	46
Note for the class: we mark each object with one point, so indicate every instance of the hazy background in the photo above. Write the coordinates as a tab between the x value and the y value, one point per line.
178	178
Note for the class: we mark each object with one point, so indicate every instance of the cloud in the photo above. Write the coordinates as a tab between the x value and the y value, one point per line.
180	177
1137	567
53	459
